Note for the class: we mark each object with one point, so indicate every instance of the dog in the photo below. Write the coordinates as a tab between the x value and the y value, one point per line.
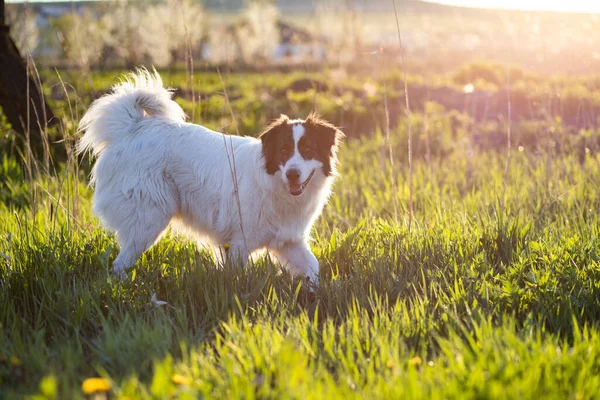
236	194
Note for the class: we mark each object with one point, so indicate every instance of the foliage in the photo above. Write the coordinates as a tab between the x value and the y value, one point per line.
492	292
438	39
82	38
345	29
162	33
171	30
259	35
23	28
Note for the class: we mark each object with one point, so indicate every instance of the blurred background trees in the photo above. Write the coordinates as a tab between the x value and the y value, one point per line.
21	97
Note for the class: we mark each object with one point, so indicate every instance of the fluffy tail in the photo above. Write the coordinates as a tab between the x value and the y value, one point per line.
113	117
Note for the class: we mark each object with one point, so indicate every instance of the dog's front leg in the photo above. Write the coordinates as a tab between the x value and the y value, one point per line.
298	258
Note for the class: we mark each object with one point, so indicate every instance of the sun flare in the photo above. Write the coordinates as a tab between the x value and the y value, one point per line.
584	6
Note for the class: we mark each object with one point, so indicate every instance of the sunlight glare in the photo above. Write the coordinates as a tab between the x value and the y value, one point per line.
585	6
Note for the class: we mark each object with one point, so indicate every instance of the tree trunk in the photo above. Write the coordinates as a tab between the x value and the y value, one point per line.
20	97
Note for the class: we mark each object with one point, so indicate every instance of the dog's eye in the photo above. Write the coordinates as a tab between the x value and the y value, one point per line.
284	152
308	153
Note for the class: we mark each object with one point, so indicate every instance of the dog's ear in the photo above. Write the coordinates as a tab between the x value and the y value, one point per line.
330	135
269	139
329	138
273	126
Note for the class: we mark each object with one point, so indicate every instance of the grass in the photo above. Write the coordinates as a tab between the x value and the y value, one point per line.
481	298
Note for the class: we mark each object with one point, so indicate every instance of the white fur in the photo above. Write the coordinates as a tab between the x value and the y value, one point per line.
153	168
306	167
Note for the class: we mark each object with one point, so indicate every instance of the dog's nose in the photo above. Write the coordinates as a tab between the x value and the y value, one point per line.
292	175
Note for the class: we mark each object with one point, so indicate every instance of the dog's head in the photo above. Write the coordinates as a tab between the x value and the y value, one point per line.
300	150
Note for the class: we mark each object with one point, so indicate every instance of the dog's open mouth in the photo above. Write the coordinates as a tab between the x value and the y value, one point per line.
296	189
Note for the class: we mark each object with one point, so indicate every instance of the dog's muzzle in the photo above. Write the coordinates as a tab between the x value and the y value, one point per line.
296	189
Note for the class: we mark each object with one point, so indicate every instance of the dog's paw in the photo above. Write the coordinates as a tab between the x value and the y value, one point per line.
119	273
312	282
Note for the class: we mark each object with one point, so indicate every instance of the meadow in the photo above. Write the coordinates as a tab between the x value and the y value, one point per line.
490	290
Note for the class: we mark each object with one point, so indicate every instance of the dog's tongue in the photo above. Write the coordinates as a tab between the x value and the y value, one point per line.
295	188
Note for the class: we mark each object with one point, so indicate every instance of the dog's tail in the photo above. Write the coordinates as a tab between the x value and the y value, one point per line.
113	117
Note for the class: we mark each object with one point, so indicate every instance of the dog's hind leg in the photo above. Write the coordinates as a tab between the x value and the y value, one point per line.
138	233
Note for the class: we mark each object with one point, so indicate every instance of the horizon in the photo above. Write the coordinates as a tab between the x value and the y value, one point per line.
577	6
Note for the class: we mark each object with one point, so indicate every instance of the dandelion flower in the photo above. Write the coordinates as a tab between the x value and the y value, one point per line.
180	379
15	362
94	385
415	361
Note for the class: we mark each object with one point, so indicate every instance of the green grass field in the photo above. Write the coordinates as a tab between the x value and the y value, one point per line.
491	292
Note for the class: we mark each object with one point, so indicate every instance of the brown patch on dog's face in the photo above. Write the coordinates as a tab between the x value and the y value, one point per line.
277	144
317	140
321	141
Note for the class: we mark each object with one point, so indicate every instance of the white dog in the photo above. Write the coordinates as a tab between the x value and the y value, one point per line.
239	193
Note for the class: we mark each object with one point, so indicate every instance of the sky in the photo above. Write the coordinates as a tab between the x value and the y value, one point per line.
554	5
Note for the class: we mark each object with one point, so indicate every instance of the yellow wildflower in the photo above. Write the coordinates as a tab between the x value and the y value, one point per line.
226	246
414	361
15	362
93	385
180	379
